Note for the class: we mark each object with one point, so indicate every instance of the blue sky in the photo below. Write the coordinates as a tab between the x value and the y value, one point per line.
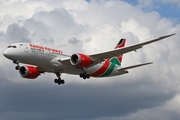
169	10
165	9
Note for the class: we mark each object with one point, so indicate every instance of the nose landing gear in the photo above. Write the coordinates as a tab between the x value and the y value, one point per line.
16	62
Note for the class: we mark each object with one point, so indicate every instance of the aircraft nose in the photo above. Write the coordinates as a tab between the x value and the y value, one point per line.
6	53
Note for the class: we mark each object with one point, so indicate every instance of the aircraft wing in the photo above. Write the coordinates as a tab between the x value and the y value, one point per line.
100	57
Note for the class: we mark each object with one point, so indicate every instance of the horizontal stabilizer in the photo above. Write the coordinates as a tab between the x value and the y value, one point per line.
134	66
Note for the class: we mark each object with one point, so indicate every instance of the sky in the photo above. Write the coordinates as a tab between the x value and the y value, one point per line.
90	26
166	8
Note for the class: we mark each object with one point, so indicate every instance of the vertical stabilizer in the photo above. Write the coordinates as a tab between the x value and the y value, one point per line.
120	44
111	63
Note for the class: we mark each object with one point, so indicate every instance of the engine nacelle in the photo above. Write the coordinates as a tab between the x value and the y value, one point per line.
29	72
80	60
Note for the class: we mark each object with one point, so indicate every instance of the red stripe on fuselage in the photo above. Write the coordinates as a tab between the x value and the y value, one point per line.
102	69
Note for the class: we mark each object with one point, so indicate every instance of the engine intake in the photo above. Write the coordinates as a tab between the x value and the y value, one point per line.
80	60
29	72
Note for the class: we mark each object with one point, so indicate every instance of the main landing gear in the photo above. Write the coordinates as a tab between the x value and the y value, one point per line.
16	62
84	75
59	81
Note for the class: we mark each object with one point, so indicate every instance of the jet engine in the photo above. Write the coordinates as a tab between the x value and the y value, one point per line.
29	72
80	60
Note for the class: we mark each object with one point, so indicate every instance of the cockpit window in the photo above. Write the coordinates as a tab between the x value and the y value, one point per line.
12	46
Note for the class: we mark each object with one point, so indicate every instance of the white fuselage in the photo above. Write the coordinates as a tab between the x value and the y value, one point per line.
48	59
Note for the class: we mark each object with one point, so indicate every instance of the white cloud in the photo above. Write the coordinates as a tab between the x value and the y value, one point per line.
89	27
170	110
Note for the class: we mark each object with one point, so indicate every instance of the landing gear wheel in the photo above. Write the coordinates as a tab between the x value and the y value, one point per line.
81	75
84	75
59	81
17	67
55	80
16	62
87	76
62	81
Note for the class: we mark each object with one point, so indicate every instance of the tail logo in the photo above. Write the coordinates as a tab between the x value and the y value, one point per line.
107	68
121	43
110	64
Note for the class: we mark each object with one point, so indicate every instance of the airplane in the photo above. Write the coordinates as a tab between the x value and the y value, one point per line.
40	59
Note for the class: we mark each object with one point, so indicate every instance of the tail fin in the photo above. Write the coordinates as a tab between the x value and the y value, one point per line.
120	45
